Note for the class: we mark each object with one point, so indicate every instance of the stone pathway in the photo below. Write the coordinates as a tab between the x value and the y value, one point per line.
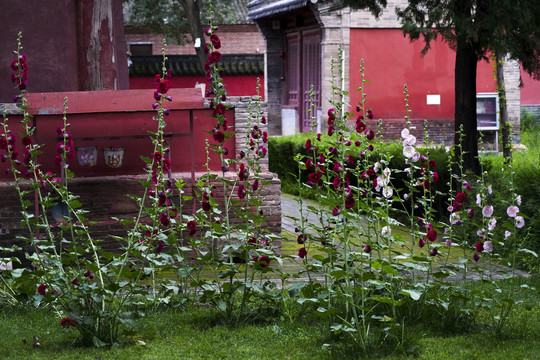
291	208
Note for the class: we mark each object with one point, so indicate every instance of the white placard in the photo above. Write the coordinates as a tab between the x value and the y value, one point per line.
433	99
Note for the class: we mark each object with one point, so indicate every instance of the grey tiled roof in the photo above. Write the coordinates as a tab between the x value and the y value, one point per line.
264	8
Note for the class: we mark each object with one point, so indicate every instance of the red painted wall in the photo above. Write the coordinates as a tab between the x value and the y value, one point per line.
392	61
123	119
530	92
238	85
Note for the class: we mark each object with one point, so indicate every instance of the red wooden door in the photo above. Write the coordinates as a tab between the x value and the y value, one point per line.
303	71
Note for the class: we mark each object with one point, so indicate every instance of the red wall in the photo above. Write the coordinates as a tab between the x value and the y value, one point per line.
123	119
530	92
392	61
237	85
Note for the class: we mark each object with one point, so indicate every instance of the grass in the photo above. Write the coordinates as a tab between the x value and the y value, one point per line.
196	333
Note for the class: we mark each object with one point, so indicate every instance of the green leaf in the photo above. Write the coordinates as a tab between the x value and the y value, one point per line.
414	294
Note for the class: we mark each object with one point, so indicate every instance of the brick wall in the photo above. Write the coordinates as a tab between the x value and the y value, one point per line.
235	39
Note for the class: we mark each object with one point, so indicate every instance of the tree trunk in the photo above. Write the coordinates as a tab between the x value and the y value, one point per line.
465	112
505	125
192	9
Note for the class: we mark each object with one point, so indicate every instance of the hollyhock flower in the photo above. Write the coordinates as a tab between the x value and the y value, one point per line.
518	199
461	197
336	182
335	211
386	231
88	274
490	190
241	191
164	219
262	151
488	246
301	239
426	184
370	114
206	206
507	234
448	242
192	227
476	257
308	145
435	177
302	253
520	222
214	57
410	140
478	200
370	135
512	211
415	157
434	252
421	242
387	192
216	42
164	86
408	151
330	131
75	281
315	177
455	219
422	158
357	143
487	211
331	112
265	137
360	127
471	213
349	202
404	133
219	136
467	186
309	164
432	163
479	246
492	223
367	249
431	235
42	289
255	185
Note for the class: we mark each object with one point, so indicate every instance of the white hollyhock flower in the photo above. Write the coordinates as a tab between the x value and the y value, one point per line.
512	211
404	133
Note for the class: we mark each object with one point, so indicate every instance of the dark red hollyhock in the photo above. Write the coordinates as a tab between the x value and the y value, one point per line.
216	42
242	191
164	86
308	145
330	131
42	289
164	219
370	135
427	184
476	257
349	202
435	177
265	137
434	252
315	177
243	173
192	227
219	136
214	57
370	114
67	322
263	120
461	197
301	239
421	242
367	249
432	163
479	246
75	281
264	261
255	185
309	164
220	109
206	66
262	151
302	253
431	235
206	206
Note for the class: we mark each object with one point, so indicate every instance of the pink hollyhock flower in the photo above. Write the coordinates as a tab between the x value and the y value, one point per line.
490	190
487	211
448	242
478	200
492	223
512	211
520	222
367	249
467	186
507	234
302	253
386	231
518	199
488	246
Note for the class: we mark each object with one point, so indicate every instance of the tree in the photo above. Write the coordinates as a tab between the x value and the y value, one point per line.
474	29
180	20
